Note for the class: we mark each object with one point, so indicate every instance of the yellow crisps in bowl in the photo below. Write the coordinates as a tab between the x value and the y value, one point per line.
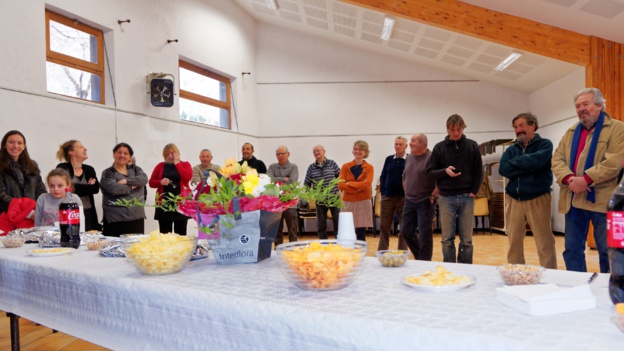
321	264
159	253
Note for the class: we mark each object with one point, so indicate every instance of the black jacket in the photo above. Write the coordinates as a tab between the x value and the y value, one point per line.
9	188
256	164
83	189
462	154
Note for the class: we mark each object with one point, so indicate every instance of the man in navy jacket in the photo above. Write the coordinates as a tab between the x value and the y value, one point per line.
527	166
392	193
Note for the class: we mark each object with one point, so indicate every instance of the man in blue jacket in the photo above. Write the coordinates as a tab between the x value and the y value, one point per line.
527	166
392	194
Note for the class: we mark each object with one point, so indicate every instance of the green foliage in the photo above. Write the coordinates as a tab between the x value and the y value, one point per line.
128	203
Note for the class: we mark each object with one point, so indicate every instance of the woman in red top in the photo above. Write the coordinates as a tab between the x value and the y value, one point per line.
357	177
171	178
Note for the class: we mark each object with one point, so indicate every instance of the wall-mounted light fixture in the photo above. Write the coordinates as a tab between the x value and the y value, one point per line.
508	61
271	4
388	25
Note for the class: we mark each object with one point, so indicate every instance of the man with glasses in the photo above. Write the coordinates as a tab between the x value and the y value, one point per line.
326	170
284	172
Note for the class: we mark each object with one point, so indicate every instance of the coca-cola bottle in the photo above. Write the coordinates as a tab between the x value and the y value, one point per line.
615	241
69	221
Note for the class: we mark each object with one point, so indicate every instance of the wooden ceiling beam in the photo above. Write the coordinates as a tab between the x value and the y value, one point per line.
497	27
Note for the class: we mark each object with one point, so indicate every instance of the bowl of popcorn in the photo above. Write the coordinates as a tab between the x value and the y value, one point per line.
392	258
321	264
520	274
157	253
13	241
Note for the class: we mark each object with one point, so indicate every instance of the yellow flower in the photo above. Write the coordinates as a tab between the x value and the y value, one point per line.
230	168
250	181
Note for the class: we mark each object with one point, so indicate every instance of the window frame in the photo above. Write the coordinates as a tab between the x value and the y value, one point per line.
225	105
72	62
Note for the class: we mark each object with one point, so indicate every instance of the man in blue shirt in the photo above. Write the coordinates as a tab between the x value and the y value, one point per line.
392	193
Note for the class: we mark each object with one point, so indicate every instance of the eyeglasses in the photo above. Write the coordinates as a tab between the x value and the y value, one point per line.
280	153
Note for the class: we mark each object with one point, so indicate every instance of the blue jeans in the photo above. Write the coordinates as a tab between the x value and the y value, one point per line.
576	227
456	209
419	215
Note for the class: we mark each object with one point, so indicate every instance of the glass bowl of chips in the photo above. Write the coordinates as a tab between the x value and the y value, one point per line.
321	264
520	274
158	254
392	258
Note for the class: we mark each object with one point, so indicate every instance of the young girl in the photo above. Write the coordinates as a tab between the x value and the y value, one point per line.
47	210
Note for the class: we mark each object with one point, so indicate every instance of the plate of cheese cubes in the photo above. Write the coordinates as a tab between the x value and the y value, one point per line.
438	280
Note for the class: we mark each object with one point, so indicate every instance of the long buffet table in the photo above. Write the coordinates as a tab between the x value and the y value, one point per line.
253	307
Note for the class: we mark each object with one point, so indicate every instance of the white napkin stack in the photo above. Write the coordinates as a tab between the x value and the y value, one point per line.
546	299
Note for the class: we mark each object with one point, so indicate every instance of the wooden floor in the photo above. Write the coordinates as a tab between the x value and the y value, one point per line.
488	250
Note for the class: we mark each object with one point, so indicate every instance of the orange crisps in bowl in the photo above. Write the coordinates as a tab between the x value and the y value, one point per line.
321	265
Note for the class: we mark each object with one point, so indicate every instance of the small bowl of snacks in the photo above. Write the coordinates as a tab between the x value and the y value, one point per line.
96	244
157	253
520	274
13	241
321	264
392	258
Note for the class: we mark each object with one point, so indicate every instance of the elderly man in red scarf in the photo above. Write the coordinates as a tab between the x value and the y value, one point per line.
586	164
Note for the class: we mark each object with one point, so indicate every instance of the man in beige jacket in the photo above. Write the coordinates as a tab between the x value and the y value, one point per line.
586	164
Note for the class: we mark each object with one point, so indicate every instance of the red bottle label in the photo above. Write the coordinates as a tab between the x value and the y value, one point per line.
615	229
69	217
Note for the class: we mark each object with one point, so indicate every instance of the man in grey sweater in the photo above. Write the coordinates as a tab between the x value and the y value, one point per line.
286	173
420	200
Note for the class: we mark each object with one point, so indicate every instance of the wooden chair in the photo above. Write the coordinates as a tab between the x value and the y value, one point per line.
306	212
309	212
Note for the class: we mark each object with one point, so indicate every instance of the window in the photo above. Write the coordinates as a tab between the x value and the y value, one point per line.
75	58
204	96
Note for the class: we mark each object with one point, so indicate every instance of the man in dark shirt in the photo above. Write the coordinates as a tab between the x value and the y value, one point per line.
456	165
252	161
392	194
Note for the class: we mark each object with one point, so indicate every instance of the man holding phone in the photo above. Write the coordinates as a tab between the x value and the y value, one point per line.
456	165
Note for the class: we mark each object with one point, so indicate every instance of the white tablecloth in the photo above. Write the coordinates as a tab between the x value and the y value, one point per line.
253	307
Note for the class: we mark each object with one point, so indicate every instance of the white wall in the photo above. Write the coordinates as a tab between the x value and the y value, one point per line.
218	34
314	91
554	107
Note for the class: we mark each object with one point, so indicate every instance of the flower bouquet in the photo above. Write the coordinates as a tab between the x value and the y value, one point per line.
238	210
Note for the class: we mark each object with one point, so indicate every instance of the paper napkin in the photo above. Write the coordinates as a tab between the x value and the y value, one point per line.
546	299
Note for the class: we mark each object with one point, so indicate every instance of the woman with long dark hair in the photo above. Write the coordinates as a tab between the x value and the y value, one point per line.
83	179
19	175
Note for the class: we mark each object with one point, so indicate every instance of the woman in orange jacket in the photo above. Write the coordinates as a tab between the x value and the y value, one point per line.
357	177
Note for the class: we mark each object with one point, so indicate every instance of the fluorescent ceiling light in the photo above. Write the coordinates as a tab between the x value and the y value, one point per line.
271	4
388	25
508	61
